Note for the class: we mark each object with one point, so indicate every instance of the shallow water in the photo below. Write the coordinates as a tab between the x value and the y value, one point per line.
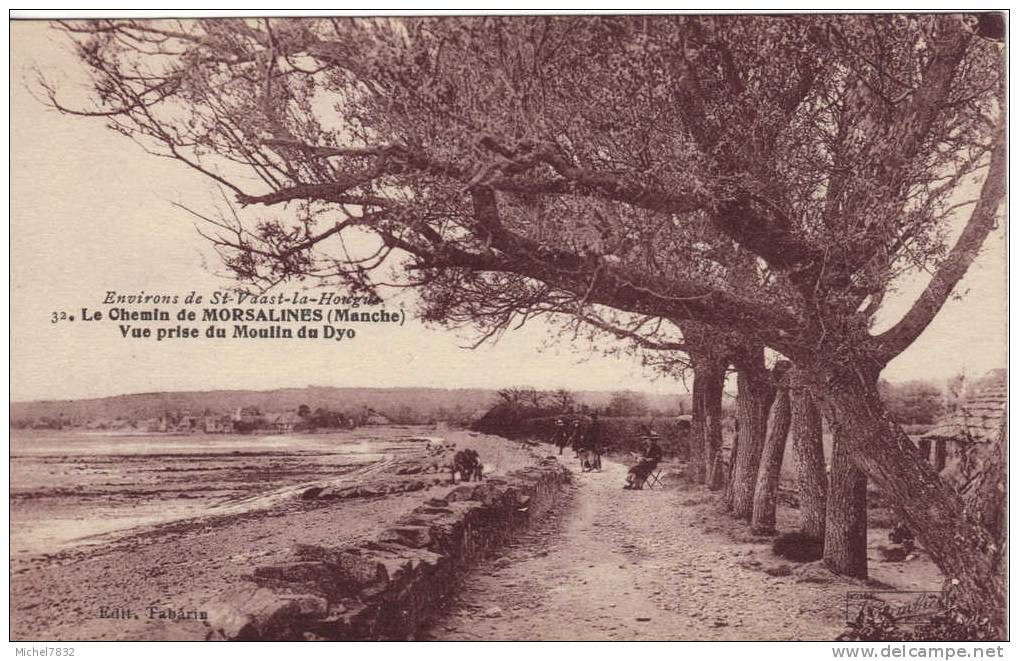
70	488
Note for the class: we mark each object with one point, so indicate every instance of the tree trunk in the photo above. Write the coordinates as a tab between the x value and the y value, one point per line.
696	461
845	540
812	478
963	549
752	404
714	388
984	497
706	427
730	477
769	473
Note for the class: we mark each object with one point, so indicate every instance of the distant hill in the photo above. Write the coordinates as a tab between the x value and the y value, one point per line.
427	401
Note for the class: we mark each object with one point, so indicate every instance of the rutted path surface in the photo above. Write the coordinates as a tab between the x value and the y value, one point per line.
637	565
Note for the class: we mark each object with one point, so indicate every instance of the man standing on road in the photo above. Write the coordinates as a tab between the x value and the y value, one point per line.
593	445
576	438
560	436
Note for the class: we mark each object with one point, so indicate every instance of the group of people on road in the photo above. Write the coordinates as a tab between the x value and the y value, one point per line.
587	444
586	441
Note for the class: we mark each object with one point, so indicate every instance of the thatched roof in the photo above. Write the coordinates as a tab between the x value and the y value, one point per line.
980	418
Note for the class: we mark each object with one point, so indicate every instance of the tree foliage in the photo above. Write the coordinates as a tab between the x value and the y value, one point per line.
770	175
913	402
627	404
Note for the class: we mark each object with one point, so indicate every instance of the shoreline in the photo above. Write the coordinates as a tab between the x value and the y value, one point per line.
185	563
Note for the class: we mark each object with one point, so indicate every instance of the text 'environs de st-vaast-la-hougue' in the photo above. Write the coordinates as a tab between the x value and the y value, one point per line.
274	309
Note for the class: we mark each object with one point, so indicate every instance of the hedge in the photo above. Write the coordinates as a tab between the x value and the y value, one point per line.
619	434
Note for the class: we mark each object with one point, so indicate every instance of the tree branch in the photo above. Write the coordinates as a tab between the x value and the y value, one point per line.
982	220
626	334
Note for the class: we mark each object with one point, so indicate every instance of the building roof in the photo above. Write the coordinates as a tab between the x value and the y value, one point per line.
978	419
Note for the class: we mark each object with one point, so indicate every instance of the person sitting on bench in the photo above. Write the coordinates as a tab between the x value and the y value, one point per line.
651	454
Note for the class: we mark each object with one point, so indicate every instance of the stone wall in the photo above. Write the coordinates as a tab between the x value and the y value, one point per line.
389	588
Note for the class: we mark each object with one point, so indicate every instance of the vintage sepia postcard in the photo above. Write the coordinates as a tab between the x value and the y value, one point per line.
517	327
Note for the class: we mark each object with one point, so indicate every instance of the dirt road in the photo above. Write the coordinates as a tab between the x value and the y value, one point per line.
638	565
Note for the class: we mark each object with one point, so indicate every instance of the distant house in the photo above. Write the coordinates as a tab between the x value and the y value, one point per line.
248	417
285	423
956	442
968	450
217	424
154	425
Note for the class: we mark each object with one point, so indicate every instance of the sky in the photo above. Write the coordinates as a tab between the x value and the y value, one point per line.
91	212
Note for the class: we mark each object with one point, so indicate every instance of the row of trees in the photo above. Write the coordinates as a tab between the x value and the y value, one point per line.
622	403
524	411
712	190
403	414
